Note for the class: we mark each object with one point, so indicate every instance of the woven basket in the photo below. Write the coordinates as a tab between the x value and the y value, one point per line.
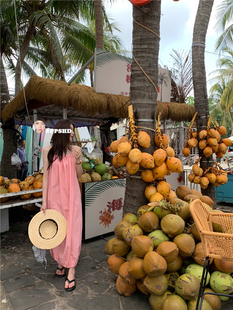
215	244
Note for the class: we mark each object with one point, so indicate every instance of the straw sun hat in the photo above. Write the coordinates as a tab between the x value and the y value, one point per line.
47	231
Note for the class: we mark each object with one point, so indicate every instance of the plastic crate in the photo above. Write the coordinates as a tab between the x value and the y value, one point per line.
224	192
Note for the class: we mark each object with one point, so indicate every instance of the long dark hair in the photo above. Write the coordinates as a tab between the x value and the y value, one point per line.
60	142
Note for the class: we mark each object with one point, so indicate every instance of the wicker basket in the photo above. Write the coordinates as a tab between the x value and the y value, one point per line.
215	244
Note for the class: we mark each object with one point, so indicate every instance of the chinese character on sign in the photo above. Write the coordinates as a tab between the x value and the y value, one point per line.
106	218
116	204
129	67
158	89
126	93
122	93
128	78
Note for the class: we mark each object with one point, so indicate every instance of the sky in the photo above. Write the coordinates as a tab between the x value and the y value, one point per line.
176	29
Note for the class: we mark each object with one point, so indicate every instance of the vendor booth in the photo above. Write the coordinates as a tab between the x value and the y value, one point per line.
51	100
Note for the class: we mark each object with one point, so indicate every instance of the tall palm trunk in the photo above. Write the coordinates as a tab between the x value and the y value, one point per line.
199	77
99	31
143	94
8	146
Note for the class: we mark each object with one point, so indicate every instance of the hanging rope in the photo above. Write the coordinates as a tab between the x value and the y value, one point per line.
146	28
17	32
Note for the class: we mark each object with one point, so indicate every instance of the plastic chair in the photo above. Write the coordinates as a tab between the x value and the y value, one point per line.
215	244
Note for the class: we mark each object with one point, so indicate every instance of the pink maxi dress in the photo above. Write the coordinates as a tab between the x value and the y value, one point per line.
64	196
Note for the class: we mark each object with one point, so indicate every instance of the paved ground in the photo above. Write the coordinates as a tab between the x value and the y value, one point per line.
26	284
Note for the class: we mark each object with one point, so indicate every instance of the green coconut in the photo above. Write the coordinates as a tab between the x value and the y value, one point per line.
106	176
174	302
185	264
156	302
142	210
130	255
158	236
101	169
172	225
156	285
187	286
96	177
130	217
131	232
197	271
161	212
205	305
86	166
221	283
118	230
172	278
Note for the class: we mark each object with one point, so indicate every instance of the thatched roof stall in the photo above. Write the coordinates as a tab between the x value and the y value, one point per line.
50	97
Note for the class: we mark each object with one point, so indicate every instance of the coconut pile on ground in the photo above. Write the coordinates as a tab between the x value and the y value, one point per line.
160	253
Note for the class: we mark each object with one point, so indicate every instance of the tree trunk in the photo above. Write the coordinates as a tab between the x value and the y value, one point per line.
99	32
199	78
143	94
23	51
8	146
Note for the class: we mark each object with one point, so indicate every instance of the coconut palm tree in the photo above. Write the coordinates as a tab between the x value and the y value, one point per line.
143	89
163	79
199	75
225	24
181	75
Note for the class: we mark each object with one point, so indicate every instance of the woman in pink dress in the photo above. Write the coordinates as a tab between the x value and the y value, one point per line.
61	192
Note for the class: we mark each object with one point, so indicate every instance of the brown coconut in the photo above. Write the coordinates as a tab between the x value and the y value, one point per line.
211	177
114	146
118	231
114	263
226	141
135	156
222	148
124	148
198	254
120	247
192	304
200	172
172	225
191	177
159	157
208	151
202	144
186	244
183	208
160	172
192	142
212	142
222	130
124	288
123	272
147	161
135	268
212	133
213	300
124	139
132	168
175	265
197	179
148	222
130	255
222	179
186	152
202	134
164	188
207	200
154	264
121	160
142	287
174	164
215	148
190	197
149	191
144	139
170	151
114	161
224	265
165	140
168	250
24	185
147	176
156	285
172	195
156	302
196	192
142	210
131	232
205	181
108	246
174	302
182	191
187	286
141	245
195	232
156	197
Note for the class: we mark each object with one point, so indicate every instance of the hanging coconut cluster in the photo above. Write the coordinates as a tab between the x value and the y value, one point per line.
215	175
159	252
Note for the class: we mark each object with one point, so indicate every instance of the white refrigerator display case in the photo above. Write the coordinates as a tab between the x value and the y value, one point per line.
102	204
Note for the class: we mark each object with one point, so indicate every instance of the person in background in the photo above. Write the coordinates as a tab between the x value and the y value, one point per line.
39	126
61	192
23	167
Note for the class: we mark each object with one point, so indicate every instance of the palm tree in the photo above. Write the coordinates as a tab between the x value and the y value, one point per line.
143	89
163	79
181	75
224	22
199	75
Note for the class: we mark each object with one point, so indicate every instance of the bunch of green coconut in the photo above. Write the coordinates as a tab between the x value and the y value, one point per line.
160	253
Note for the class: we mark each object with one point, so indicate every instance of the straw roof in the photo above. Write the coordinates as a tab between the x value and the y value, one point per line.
49	97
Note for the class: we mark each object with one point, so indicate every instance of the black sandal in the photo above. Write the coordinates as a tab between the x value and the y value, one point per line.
60	275
69	289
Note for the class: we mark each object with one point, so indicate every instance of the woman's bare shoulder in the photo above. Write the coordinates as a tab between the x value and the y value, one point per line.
46	149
